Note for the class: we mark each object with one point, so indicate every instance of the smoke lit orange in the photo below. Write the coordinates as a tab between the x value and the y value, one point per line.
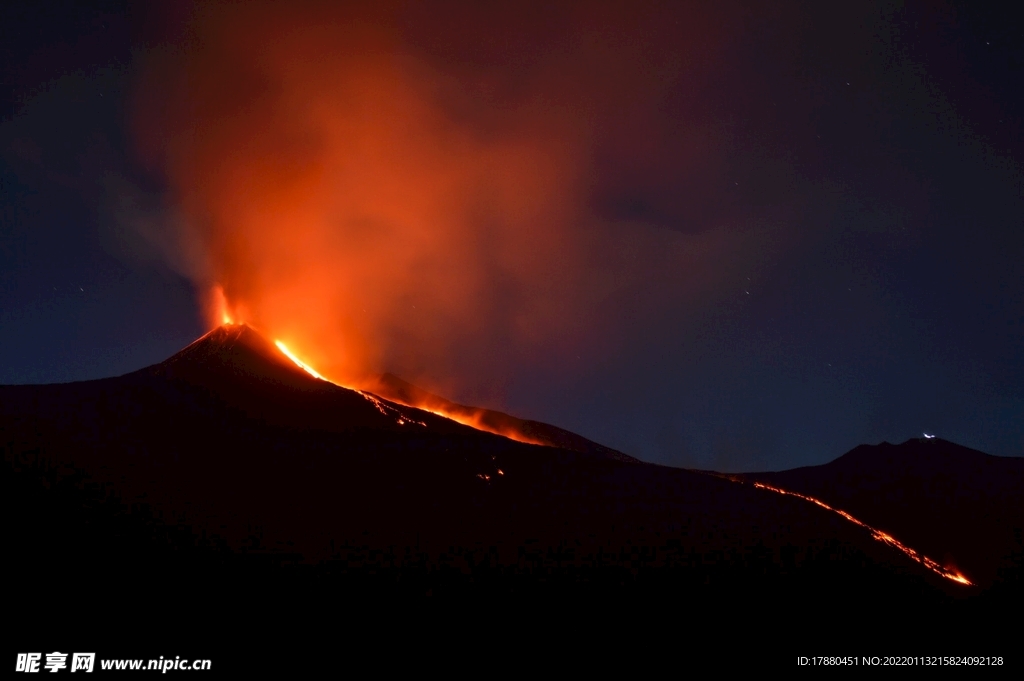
330	193
398	210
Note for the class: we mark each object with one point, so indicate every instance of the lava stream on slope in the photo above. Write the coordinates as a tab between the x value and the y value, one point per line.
881	536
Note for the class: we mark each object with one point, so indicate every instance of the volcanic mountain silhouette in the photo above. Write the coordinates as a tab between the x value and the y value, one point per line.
229	472
250	372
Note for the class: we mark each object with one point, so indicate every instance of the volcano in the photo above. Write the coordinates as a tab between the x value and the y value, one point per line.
230	476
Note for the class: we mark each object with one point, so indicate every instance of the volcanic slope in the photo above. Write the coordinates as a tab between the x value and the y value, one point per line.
957	505
228	470
397	390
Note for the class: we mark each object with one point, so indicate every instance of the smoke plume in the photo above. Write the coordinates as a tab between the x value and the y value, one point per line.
419	190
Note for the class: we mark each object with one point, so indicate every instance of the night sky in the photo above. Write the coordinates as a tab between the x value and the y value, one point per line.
743	237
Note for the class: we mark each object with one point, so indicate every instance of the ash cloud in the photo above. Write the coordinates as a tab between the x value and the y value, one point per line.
450	194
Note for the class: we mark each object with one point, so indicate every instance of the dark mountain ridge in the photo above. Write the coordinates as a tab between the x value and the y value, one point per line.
229	477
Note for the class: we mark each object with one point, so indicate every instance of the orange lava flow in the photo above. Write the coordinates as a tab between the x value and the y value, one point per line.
302	365
465	415
883	537
474	420
384	408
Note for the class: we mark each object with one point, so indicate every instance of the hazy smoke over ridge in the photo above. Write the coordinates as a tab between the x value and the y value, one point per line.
397	190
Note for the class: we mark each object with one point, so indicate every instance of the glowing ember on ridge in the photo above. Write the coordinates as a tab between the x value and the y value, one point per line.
883	537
